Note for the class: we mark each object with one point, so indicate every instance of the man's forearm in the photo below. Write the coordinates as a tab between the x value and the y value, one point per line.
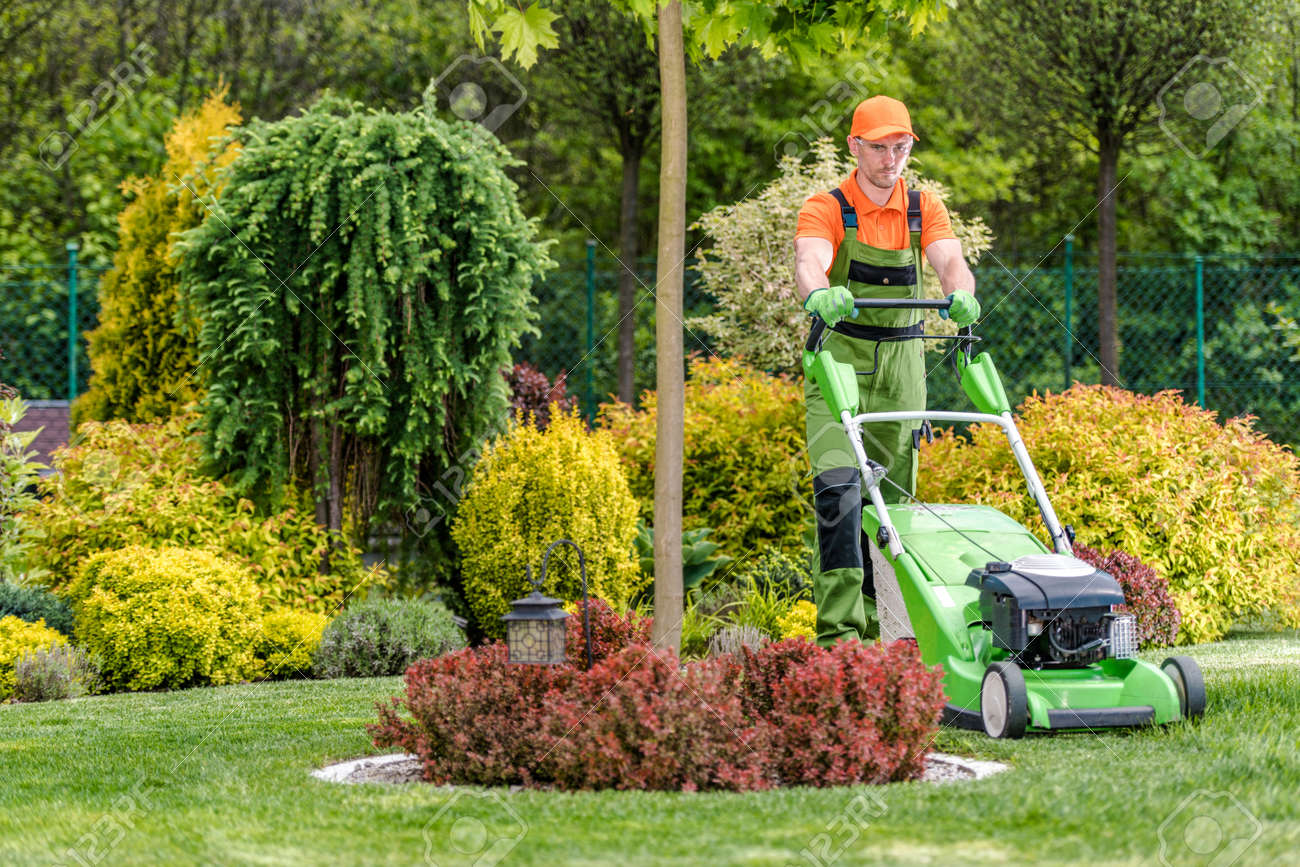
808	277
957	276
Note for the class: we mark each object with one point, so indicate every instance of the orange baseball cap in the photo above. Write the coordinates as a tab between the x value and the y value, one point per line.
880	116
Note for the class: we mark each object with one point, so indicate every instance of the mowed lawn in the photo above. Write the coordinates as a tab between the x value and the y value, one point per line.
221	776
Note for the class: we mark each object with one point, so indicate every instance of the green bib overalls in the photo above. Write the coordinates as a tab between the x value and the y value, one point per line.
886	342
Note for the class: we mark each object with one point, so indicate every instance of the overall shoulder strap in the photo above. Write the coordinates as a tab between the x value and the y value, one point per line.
847	213
913	210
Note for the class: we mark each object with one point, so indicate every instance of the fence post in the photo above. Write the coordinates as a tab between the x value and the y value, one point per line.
1200	331
73	331
590	397
1069	300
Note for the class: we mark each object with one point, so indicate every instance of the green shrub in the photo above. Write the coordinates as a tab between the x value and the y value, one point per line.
379	637
530	488
142	352
125	484
1213	507
18	472
55	672
169	617
775	570
288	642
18	637
744	459
33	604
364	377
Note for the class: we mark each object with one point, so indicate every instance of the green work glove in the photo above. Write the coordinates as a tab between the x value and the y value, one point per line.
964	310
831	304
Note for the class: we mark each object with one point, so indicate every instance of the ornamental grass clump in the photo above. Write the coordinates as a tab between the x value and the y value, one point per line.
56	672
1213	507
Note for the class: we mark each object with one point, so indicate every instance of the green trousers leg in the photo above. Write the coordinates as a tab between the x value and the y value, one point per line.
898	384
840	613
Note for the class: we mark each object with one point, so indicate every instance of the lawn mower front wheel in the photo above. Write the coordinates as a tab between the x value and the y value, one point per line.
1189	682
1004	701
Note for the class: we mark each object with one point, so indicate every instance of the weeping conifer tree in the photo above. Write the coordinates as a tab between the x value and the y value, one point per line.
360	283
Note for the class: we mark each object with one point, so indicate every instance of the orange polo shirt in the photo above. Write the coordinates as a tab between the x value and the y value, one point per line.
883	227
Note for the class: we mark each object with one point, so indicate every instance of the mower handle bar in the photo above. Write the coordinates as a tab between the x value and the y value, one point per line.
819	324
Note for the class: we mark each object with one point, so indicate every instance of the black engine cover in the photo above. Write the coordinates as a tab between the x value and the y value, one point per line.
1063	593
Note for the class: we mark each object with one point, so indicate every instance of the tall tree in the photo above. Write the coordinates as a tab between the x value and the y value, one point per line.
1109	75
796	28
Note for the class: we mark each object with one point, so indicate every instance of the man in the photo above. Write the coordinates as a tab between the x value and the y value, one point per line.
865	239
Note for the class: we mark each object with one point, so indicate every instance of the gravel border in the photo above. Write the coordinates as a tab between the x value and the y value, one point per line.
405	768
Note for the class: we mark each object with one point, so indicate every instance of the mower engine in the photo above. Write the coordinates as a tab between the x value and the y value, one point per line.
1050	609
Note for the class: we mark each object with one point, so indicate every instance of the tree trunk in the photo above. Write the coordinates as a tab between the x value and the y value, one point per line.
628	251
670	373
1107	308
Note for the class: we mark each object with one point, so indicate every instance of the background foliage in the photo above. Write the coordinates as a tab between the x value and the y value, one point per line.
744	455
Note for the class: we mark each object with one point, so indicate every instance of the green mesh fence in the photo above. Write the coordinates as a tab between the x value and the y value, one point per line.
34	308
1240	363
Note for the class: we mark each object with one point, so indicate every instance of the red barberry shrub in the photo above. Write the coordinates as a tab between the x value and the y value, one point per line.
610	633
475	718
759	671
1145	592
531	393
854	714
638	720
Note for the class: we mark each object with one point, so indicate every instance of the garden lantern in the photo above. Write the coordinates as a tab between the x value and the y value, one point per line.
535	626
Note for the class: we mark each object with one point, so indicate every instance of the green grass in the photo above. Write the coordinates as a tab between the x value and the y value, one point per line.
220	776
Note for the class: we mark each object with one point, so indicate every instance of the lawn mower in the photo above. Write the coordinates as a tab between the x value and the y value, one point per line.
1029	639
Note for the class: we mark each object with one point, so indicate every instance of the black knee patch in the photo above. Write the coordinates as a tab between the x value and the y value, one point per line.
837	494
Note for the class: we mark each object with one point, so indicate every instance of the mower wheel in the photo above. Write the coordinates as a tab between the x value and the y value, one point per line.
1186	675
1004	701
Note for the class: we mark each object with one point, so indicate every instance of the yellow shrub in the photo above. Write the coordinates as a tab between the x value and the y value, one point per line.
288	640
744	457
168	617
801	622
1214	508
530	488
16	638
